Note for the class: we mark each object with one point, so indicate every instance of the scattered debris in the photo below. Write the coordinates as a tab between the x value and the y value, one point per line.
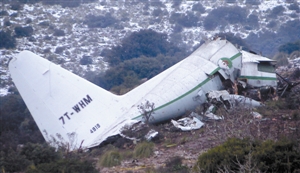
256	115
188	123
151	135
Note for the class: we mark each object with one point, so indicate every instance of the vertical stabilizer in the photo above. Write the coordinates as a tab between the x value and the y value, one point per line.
64	106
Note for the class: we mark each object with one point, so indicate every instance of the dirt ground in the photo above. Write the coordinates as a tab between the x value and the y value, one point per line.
189	145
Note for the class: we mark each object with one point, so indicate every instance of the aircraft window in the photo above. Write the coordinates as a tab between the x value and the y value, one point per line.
266	67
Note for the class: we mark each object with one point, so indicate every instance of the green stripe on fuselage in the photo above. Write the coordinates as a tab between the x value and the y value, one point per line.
192	90
258	78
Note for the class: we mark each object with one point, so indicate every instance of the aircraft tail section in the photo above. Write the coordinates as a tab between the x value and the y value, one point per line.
65	107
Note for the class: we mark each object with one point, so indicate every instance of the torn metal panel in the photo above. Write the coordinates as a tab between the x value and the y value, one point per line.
256	115
212	116
187	123
151	135
218	95
238	100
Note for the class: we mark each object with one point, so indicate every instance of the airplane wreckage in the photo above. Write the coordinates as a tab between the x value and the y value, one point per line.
63	103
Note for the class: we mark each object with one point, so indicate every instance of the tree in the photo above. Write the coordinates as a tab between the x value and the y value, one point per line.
85	60
294	6
26	31
147	111
289	47
277	11
252	21
145	42
225	15
235	40
184	19
198	7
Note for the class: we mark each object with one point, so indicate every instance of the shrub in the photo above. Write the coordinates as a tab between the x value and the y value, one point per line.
224	15
3	13
176	3
28	20
59	32
294	6
100	21
64	165
272	24
177	28
14	15
289	31
70	3
12	161
198	7
289	47
280	156
242	155
236	40
16	6
230	1
26	31
143	149
59	50
252	20
157	12
174	164
29	1
6	40
282	62
111	158
223	156
85	60
7	23
295	54
145	42
184	19
44	24
253	2
39	153
276	11
157	4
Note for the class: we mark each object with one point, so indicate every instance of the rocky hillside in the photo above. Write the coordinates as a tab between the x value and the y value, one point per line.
68	36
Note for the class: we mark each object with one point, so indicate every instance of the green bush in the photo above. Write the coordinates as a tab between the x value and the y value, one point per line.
146	43
63	165
223	156
39	153
280	156
237	154
144	149
174	164
111	158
